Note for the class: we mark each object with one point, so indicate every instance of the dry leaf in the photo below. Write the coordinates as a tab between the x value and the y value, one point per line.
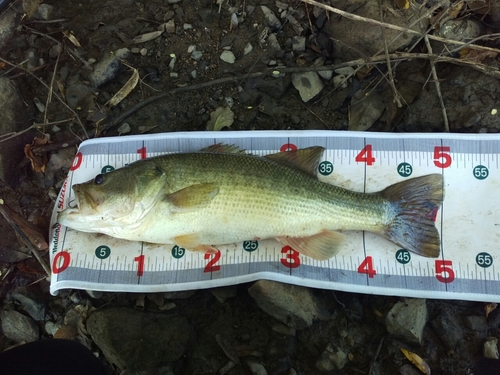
38	163
147	37
18	327
365	110
125	90
403	4
417	361
31	6
220	118
476	55
489	308
26	231
72	38
66	332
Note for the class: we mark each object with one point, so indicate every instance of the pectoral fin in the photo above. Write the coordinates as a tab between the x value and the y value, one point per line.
192	242
321	246
192	197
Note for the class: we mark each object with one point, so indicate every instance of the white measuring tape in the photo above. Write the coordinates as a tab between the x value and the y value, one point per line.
469	220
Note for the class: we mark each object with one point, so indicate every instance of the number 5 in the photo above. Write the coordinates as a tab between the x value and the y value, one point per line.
444	266
441	153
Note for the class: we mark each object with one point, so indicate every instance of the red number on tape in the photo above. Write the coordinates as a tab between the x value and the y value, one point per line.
66	258
140	264
292	259
142	151
212	266
366	266
366	155
77	161
442	153
443	267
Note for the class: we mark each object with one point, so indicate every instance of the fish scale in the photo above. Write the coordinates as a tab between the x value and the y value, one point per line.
367	263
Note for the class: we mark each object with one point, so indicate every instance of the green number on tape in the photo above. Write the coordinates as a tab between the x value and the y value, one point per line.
484	260
405	169
250	245
325	168
107	168
102	252
403	256
480	172
178	252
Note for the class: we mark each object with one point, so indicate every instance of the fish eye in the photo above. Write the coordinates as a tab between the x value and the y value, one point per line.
99	179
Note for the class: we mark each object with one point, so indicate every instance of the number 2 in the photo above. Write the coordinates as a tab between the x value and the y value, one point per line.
212	266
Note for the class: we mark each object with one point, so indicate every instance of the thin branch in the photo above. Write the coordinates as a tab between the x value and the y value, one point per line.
438	86
395	92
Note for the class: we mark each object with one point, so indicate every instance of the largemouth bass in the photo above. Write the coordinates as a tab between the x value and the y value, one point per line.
221	195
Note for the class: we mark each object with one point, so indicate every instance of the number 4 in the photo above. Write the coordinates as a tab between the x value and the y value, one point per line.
366	266
366	155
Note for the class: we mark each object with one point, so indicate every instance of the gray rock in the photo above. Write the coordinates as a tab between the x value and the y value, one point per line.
248	49
30	303
225	292
270	18
407	319
449	328
476	323
109	67
228	56
256	368
490	348
326	74
273	43
292	305
170	27
44	11
173	1
196	55
331	359
18	327
138	340
308	84
299	44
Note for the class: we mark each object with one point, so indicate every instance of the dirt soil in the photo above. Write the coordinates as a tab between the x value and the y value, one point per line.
83	53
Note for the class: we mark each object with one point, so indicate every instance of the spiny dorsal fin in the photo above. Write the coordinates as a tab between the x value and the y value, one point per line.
223	149
305	159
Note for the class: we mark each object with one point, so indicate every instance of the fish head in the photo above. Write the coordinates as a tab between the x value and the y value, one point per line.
116	199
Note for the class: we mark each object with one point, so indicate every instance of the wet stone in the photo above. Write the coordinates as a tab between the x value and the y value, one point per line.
308	84
292	305
407	320
331	359
133	339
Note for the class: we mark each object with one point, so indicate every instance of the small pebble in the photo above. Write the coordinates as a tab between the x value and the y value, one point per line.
135	50
187	26
174	75
144	51
124	128
248	49
197	55
170	27
194	74
228	56
191	48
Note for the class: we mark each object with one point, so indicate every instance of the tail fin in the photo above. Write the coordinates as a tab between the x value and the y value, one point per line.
415	204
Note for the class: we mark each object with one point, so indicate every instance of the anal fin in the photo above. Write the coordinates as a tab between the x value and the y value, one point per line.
321	246
192	242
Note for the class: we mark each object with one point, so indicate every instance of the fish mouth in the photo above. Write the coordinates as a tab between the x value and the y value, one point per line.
85	201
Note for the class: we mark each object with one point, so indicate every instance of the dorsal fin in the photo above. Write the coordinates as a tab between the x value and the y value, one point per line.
223	149
305	159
